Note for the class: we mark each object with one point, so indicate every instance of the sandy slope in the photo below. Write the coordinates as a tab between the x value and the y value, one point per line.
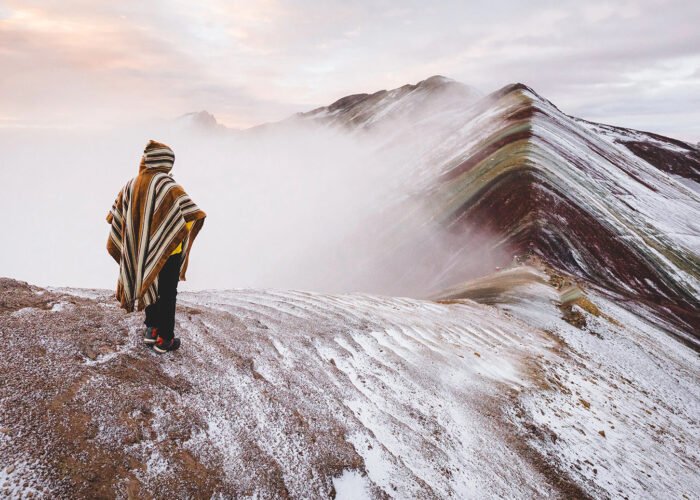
289	393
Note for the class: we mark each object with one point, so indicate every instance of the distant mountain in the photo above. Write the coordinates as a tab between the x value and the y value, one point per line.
409	102
200	120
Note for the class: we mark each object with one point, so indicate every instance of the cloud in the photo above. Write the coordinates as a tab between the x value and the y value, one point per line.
85	62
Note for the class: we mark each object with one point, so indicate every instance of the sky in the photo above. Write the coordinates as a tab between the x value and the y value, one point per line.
88	63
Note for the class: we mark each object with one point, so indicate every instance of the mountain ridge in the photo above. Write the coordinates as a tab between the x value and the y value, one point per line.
556	374
577	195
434	81
294	393
603	203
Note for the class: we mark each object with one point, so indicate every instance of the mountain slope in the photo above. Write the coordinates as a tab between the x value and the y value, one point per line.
509	175
554	186
296	394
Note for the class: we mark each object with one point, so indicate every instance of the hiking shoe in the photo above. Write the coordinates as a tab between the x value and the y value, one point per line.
150	335
161	346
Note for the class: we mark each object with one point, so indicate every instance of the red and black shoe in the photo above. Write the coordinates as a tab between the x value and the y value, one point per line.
162	346
150	335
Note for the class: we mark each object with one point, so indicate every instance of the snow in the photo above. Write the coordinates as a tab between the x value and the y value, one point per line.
689	183
628	381
60	306
13	481
670	209
374	395
351	486
86	293
397	365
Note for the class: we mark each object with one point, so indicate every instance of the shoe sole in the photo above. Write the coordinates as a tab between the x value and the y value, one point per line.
149	341
160	350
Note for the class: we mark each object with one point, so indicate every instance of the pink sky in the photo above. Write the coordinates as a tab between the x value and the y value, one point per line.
87	63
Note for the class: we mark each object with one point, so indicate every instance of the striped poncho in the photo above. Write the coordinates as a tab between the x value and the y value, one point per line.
148	222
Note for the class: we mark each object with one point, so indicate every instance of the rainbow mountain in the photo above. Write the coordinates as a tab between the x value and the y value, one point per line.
612	207
536	335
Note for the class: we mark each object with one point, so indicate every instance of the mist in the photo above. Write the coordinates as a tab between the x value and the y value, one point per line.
292	205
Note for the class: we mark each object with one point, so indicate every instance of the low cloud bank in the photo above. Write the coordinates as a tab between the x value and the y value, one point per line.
289	206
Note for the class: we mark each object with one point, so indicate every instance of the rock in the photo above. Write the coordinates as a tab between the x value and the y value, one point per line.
602	433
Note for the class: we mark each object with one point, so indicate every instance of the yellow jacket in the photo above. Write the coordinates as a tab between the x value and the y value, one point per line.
179	247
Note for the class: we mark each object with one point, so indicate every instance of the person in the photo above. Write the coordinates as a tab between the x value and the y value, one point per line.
154	224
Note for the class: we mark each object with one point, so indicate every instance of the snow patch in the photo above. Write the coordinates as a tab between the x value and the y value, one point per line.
351	485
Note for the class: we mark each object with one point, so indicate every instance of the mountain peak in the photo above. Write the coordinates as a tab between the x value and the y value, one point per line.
519	88
436	81
532	99
202	119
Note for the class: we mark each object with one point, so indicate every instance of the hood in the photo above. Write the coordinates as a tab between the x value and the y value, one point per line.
158	157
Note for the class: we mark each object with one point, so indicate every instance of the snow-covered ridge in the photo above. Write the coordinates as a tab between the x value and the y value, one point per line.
615	207
593	208
409	102
291	393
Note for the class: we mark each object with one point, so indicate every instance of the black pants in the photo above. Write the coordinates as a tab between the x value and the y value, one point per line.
161	314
